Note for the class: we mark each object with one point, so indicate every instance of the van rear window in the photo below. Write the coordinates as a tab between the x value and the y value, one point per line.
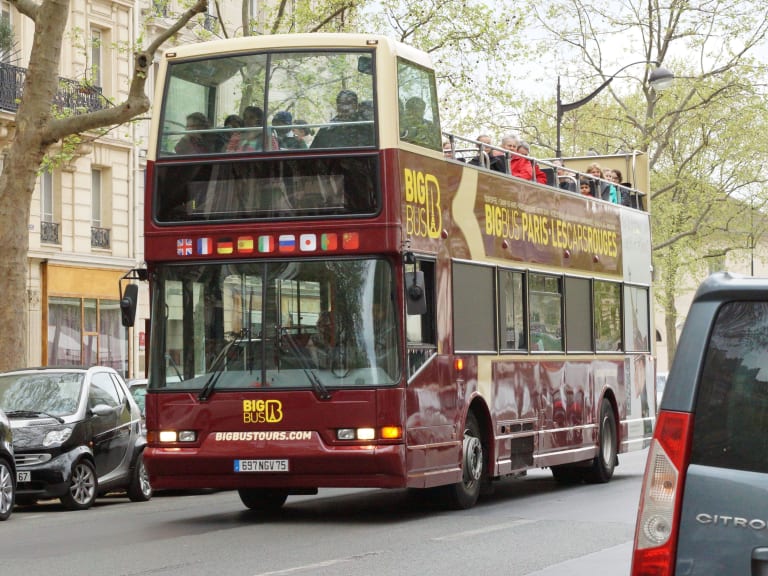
731	419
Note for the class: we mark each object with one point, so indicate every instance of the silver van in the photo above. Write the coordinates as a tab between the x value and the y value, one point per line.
704	501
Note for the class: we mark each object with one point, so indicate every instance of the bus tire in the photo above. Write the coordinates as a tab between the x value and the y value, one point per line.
474	457
604	463
263	499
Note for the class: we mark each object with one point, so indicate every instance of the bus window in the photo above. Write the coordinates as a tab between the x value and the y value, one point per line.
607	316
474	321
511	312
419	121
636	327
578	314
545	298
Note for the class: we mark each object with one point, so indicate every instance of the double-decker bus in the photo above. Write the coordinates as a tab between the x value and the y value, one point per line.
334	303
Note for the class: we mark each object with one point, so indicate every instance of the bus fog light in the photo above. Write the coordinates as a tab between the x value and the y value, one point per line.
366	434
187	436
345	434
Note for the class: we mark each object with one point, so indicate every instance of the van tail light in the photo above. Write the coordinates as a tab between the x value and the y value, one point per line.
661	498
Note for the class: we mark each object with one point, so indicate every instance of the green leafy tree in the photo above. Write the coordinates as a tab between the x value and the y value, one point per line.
39	128
705	138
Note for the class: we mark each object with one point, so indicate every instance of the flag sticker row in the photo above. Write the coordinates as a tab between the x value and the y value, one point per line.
268	244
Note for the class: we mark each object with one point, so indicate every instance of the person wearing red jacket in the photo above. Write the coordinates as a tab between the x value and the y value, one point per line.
522	167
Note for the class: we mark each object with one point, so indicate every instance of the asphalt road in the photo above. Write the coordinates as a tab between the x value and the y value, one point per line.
527	527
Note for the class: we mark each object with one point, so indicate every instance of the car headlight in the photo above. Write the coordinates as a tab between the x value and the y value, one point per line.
57	437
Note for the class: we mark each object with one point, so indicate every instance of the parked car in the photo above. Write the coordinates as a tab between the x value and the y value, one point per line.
138	388
77	435
7	468
703	502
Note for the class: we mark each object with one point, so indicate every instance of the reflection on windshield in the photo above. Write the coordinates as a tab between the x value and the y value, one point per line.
315	324
53	393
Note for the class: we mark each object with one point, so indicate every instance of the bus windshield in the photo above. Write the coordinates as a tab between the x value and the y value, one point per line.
221	114
276	324
260	102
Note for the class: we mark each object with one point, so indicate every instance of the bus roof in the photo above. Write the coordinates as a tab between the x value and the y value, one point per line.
301	41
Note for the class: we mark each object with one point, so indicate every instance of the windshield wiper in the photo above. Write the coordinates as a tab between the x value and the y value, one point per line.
33	414
215	369
318	387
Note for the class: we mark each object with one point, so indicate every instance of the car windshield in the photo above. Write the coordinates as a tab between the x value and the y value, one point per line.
55	393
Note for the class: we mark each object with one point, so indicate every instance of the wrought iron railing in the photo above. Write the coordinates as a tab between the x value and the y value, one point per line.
71	95
99	237
49	232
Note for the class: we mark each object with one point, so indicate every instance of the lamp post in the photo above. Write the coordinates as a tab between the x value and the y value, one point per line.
659	79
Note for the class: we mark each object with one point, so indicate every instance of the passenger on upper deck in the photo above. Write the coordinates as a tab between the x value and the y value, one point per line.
251	140
286	137
303	132
606	190
508	142
523	167
351	132
565	180
414	127
586	187
196	142
483	157
625	195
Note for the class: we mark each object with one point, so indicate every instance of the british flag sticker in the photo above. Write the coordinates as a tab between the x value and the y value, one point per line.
184	247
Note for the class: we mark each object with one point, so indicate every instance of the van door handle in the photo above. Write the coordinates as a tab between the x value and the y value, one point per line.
760	561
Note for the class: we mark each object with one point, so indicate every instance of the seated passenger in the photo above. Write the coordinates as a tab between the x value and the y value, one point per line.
625	194
585	186
607	191
303	132
565	180
320	344
197	140
414	127
351	132
251	140
483	157
286	137
232	123
523	167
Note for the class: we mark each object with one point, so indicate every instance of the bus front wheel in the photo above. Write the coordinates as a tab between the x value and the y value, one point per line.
262	499
464	494
605	462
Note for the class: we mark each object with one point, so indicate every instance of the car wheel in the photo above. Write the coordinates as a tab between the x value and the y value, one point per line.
464	494
140	490
7	489
605	462
263	499
82	487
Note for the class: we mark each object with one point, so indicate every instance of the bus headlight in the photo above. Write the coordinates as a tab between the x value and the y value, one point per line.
177	436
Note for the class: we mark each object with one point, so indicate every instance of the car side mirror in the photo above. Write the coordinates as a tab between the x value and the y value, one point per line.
102	410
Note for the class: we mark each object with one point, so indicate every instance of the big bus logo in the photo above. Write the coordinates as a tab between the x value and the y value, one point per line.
262	411
422	209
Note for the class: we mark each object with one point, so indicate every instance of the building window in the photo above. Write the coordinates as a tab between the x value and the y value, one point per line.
96	198
96	56
7	24
86	332
100	210
49	227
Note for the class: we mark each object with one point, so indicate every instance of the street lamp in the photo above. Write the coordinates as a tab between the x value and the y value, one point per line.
659	79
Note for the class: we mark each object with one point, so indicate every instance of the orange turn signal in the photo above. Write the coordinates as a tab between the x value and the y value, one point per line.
391	432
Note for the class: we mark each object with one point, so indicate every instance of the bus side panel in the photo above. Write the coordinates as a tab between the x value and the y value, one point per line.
433	437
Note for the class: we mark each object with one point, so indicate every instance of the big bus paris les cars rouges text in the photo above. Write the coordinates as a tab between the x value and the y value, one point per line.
335	303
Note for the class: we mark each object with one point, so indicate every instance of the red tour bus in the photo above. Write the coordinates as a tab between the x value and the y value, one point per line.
334	303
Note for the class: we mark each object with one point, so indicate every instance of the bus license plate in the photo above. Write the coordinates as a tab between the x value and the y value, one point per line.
261	465
23	476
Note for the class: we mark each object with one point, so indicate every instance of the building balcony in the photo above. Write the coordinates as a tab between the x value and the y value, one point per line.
99	237
49	233
71	95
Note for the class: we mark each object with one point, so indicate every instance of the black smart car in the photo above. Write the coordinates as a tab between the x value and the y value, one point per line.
7	469
77	434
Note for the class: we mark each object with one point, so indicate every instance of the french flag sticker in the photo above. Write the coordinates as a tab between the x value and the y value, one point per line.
286	243
204	246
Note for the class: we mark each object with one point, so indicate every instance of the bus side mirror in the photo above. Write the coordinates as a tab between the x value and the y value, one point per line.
128	304
415	295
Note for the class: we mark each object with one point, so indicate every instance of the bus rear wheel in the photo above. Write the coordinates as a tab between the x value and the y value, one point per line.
605	462
464	494
263	499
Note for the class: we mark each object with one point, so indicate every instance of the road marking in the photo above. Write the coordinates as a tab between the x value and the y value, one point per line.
314	566
484	530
